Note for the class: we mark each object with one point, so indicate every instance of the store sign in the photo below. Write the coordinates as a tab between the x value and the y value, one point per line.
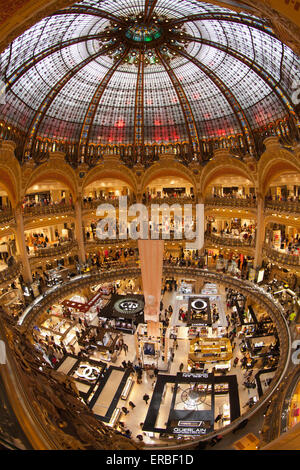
190	427
190	375
129	306
190	423
190	431
88	372
199	304
199	311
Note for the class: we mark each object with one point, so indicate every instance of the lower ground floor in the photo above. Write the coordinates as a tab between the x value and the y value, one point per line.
201	378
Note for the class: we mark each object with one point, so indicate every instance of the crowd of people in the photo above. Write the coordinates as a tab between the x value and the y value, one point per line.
245	232
35	241
45	200
236	195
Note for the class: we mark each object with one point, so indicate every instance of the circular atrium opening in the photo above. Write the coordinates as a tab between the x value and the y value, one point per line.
149	225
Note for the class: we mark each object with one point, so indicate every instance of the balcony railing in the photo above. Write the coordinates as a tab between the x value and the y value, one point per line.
283	206
170	200
48	209
94	242
282	258
229	241
53	251
6	216
93	204
219	201
10	272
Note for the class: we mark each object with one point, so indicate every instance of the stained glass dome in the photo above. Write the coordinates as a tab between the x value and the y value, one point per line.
132	72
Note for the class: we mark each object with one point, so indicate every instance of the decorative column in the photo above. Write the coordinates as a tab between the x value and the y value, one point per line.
21	244
79	230
151	254
260	231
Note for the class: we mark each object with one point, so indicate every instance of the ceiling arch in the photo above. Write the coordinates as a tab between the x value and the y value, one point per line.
110	171
44	174
162	169
222	167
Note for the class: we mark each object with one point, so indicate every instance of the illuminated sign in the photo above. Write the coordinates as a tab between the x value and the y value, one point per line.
199	304
129	306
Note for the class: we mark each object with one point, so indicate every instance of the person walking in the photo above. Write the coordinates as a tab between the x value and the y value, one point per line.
131	404
235	362
181	367
125	411
146	398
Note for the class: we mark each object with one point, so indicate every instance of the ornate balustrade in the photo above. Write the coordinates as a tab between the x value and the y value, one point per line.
48	210
171	200
96	242
281	258
219	201
6	216
54	251
283	206
10	273
88	205
229	241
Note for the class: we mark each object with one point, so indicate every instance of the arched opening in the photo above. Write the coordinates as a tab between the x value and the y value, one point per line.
107	189
46	202
168	187
281	173
283	186
228	181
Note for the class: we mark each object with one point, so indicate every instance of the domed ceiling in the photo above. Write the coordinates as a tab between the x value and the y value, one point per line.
142	71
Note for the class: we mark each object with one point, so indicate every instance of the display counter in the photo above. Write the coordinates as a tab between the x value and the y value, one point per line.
104	340
115	418
209	350
62	329
126	311
260	345
150	349
127	388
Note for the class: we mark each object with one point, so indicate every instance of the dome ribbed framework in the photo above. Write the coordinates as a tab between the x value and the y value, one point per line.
129	72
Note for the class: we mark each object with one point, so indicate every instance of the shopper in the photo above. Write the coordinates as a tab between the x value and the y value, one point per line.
146	398
125	411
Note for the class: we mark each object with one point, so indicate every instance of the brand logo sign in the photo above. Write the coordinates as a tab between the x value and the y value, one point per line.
88	372
199	304
129	306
